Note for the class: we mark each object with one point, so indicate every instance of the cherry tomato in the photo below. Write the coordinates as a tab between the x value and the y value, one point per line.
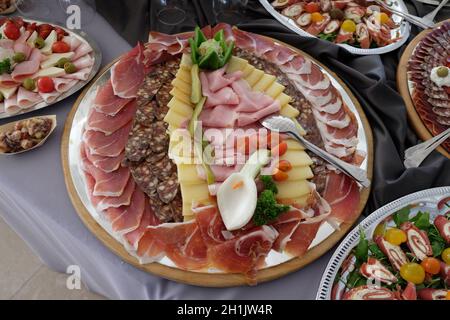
279	175
412	272
312	7
316	17
31	27
60	47
44	30
380	230
284	165
46	85
12	31
446	256
60	33
431	265
395	236
384	18
279	150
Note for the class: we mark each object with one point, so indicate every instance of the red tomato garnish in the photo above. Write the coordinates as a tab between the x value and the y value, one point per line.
31	27
12	31
60	33
60	47
46	85
44	30
279	150
312	7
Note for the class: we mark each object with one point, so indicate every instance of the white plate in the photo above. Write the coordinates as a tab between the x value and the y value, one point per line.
402	31
425	200
96	54
273	259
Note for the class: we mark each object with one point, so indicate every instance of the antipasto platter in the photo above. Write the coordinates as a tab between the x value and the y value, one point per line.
239	214
358	27
400	252
423	79
41	64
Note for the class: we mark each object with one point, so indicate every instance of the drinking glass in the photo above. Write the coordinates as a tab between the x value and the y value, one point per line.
229	11
170	12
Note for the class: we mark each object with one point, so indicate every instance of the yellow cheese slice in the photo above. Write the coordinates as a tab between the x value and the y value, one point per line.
236	64
254	77
294	145
300	201
186	62
54	58
264	83
184	75
275	90
187	174
297	158
293	189
300	173
289	111
183	86
283	99
181	108
248	70
52	72
196	192
180	95
174	119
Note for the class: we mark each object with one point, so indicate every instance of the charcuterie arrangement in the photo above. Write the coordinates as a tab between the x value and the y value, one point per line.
180	171
355	23
406	258
428	73
39	62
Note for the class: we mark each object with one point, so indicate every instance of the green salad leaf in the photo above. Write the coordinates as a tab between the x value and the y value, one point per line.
328	36
401	216
422	220
362	249
5	66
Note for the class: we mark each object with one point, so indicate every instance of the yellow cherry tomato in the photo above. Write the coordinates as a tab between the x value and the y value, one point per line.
446	255
384	18
316	17
380	230
413	272
431	265
395	236
348	26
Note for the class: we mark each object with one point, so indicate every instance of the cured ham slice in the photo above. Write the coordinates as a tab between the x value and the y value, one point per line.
108	103
27	99
98	121
221	116
128	218
107	145
11	105
128	73
301	239
148	219
181	242
63	85
245	253
218	80
6	81
342	194
50	97
85	61
106	164
250	101
211	225
82	49
286	225
172	44
81	75
106	184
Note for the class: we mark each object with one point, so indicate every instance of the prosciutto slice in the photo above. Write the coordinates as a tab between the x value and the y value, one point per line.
27	99
106	164
108	103
107	145
128	73
98	121
148	219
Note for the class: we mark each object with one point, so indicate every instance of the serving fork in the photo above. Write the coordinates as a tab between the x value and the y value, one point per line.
414	156
286	125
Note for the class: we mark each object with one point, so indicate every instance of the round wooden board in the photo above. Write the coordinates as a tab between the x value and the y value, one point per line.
402	85
211	279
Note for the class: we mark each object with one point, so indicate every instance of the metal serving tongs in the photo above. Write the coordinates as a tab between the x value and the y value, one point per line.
286	125
414	156
425	23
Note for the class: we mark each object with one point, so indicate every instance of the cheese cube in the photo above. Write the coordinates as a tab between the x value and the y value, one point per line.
289	111
264	83
254	77
297	158
292	189
275	90
236	64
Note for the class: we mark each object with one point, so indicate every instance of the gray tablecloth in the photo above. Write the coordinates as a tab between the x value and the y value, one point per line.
34	202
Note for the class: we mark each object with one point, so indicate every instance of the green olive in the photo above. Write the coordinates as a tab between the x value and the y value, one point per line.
337	14
29	84
39	43
69	67
62	62
19	57
442	72
2	97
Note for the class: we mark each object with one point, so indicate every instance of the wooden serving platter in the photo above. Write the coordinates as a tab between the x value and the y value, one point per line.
198	278
403	87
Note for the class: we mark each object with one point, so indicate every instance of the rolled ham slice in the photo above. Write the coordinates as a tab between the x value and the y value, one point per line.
27	68
6	44
50	97
85	61
11	105
26	99
73	42
82	74
24	37
82	50
63	85
24	48
7	81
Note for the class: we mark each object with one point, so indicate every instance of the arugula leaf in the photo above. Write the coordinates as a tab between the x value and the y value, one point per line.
422	220
438	243
355	279
362	249
5	66
376	252
401	216
328	37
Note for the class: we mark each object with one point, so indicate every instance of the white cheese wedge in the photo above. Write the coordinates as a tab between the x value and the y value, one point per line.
51	39
32	39
51	72
8	92
54	58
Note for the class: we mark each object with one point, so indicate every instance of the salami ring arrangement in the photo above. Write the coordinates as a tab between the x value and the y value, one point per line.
255	203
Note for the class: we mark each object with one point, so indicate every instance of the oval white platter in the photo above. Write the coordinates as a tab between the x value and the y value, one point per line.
96	54
403	30
77	175
425	200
